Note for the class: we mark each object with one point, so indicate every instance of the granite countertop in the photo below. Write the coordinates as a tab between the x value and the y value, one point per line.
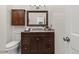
40	30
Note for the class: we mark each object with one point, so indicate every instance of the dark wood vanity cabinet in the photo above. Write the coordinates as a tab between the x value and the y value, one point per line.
37	42
18	17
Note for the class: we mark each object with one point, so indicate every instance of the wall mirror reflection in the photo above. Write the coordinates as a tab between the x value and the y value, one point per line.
37	18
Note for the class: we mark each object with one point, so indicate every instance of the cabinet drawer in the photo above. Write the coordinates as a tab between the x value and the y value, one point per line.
38	33
29	36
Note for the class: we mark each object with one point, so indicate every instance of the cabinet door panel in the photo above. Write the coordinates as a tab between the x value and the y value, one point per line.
43	46
34	45
46	44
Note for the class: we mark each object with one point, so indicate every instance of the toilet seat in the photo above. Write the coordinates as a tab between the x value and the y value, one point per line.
11	44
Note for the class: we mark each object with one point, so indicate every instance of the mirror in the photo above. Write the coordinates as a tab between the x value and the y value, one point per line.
37	18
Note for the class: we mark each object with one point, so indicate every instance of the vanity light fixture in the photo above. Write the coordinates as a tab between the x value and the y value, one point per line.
38	6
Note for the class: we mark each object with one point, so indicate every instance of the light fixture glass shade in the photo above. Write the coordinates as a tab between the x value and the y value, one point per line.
38	6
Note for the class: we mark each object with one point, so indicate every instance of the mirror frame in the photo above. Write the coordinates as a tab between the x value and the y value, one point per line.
37	12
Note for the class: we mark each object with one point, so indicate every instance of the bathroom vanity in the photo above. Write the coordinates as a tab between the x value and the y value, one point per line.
37	42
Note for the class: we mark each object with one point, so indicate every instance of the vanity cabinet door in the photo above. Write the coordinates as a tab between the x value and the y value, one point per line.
18	17
48	46
46	43
34	45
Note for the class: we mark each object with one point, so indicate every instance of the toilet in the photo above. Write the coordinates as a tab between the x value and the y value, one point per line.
12	47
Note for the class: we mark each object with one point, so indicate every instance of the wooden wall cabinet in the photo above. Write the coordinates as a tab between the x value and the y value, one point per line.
37	42
18	17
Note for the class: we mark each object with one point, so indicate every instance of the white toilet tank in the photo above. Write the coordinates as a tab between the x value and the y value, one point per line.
12	47
16	36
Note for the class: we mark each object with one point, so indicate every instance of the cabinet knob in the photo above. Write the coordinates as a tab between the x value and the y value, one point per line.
49	48
37	39
25	48
49	40
25	40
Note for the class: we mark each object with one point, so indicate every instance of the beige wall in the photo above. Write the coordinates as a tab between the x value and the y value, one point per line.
3	27
58	22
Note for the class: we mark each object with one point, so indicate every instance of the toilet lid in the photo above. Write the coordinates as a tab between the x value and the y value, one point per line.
11	44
